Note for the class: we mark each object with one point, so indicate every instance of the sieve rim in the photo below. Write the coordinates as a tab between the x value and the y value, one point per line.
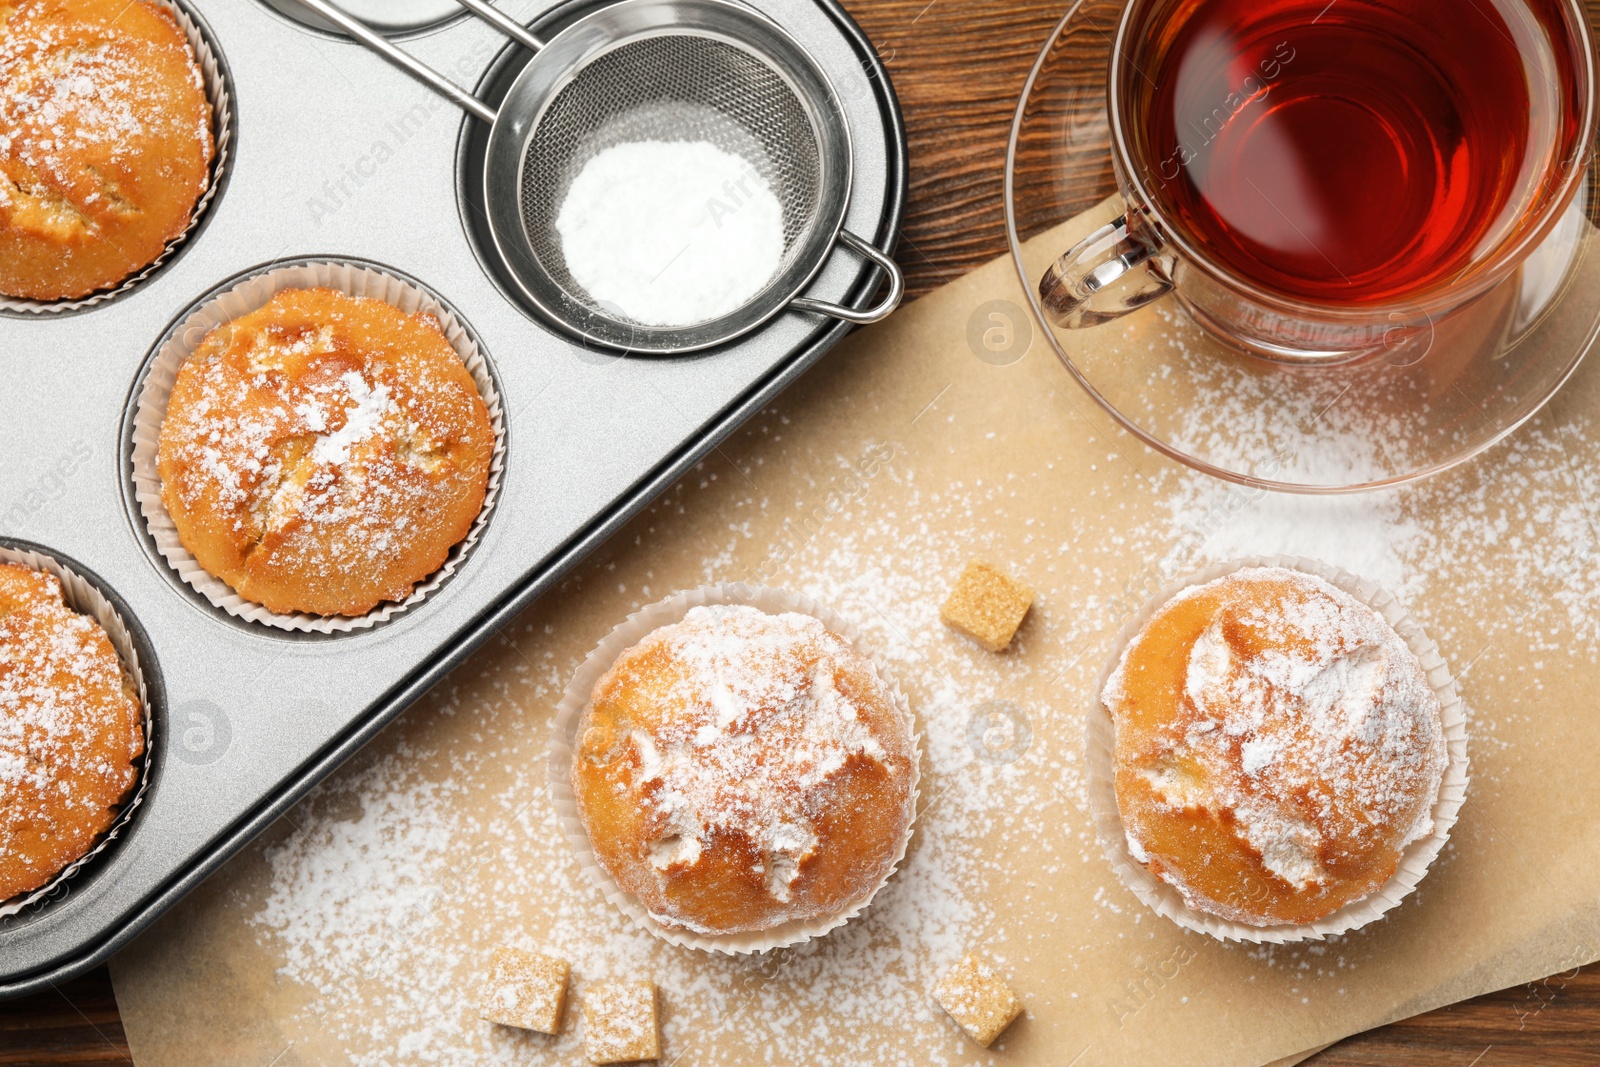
540	82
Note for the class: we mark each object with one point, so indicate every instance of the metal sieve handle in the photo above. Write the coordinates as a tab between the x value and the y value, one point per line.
897	288
419	70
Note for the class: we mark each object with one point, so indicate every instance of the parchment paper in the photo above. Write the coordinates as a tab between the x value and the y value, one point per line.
354	932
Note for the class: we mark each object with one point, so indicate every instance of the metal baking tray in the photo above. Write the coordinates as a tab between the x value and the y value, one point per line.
338	155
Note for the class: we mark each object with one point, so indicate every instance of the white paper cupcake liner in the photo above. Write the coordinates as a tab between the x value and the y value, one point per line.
218	94
564	740
241	298
84	597
1100	742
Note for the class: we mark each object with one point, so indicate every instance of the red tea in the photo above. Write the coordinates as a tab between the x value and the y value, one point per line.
1355	151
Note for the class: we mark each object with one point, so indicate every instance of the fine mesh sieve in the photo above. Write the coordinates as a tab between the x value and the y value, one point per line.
671	88
664	70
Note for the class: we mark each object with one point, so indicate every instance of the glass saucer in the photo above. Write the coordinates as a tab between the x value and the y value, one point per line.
1427	405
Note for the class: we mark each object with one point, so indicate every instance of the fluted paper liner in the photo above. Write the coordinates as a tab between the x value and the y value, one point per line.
563	744
218	93
241	298
1100	741
84	597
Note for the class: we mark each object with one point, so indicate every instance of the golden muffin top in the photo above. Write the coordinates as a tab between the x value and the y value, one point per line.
1277	746
324	453
71	731
105	142
737	770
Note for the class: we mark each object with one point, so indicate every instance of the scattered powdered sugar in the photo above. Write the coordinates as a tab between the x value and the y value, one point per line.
1330	430
361	901
1529	506
346	890
387	918
1501	551
1368	535
672	233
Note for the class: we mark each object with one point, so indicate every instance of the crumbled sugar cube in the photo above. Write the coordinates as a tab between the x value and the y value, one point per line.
987	606
525	990
978	999
619	1022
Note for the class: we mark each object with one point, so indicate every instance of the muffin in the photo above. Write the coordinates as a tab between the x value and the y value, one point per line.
105	142
71	731
324	453
740	770
1277	747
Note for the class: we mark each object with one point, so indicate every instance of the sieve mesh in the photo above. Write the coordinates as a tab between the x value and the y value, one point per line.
670	87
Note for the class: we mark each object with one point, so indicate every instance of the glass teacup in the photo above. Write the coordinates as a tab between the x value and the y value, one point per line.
1317	182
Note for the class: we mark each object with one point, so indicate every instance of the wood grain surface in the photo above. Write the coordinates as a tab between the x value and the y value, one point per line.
958	66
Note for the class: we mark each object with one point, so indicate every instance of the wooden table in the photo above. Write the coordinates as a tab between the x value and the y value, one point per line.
958	66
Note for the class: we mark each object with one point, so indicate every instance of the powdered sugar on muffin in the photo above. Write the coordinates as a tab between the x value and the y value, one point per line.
739	769
1278	745
71	731
324	453
105	142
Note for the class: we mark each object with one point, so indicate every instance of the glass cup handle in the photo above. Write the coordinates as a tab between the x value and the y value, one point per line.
1106	275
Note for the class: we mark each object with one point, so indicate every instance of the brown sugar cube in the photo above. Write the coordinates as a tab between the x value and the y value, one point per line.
978	999
525	990
619	1022
987	606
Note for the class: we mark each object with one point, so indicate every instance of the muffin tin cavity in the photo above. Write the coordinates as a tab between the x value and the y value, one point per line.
147	407
224	123
256	713
86	593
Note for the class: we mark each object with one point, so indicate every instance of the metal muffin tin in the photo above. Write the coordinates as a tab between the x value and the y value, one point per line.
338	156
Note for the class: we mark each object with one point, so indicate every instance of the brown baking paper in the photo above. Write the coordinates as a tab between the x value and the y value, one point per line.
356	931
